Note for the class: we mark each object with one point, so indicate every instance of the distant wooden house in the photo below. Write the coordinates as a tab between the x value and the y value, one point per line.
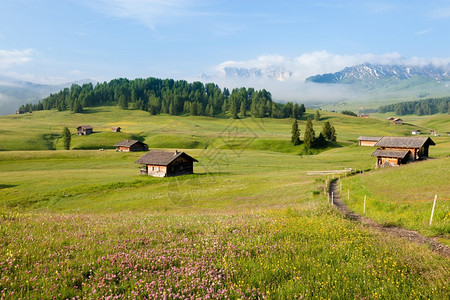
397	121
85	130
19	112
131	146
115	129
165	163
368	140
415	132
390	119
364	116
395	151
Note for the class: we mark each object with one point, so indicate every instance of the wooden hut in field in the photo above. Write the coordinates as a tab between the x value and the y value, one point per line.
131	146
395	151
115	129
85	130
397	121
165	163
368	140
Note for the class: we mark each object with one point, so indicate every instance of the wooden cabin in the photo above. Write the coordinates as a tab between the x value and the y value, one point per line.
85	130
115	129
395	151
19	112
368	140
131	146
415	132
397	121
166	163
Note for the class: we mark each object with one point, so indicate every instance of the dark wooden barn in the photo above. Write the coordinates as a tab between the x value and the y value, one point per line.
115	129
131	146
165	163
84	130
394	151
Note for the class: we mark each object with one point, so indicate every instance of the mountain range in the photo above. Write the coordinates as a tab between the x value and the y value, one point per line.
372	73
14	93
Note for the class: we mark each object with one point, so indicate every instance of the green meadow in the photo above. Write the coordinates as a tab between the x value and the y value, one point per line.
249	224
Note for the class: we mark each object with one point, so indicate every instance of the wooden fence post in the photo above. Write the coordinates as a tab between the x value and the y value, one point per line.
348	195
364	209
432	210
332	198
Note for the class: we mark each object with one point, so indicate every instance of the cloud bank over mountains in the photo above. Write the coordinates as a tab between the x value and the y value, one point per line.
285	77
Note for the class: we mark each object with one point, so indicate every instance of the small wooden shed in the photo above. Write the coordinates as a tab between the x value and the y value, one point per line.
368	140
165	163
400	150
85	130
397	121
115	129
131	146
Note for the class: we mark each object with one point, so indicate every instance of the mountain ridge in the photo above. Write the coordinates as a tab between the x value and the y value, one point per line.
367	72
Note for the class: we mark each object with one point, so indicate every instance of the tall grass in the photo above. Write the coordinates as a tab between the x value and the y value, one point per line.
404	196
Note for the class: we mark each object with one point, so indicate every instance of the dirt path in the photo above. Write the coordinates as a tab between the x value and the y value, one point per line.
397	231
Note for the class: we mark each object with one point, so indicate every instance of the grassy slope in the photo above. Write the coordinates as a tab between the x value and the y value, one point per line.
253	214
40	130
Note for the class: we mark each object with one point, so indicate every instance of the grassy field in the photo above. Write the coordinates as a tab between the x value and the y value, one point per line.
250	223
41	130
401	197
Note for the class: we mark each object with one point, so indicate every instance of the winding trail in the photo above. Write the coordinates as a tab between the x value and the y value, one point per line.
396	231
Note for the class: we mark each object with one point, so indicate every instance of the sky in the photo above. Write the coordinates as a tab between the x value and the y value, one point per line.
58	41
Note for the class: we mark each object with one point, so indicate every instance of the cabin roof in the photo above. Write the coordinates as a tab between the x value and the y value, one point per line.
404	142
369	138
162	158
85	127
128	143
390	153
115	127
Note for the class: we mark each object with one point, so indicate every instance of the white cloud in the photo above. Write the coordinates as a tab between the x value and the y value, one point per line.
425	31
441	13
320	62
147	12
285	76
14	57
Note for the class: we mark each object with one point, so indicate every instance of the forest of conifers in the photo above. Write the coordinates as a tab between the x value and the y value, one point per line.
419	107
174	97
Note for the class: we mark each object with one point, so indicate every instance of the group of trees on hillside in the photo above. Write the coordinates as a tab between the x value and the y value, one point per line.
419	107
328	134
171	97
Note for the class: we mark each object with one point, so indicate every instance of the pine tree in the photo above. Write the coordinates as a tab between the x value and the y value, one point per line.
295	138
333	134
327	131
317	116
66	138
78	108
309	136
243	110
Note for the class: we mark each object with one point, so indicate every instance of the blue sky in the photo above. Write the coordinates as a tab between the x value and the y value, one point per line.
56	41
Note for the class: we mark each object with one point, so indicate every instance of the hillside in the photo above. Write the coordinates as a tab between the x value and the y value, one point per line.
41	130
250	223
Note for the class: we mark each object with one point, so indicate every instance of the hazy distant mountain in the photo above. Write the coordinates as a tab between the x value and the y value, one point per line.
271	72
14	93
368	73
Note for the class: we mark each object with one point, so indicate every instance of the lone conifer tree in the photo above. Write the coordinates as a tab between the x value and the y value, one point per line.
317	116
327	131
295	139
310	135
66	138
